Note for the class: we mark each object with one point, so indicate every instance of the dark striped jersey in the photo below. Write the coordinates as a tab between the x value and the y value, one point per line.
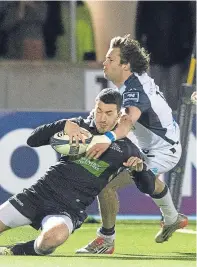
73	184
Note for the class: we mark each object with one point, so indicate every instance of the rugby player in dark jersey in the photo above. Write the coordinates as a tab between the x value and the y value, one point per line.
57	202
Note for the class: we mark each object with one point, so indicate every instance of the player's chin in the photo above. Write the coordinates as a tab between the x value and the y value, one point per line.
101	130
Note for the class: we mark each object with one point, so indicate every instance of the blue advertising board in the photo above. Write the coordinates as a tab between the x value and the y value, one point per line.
21	165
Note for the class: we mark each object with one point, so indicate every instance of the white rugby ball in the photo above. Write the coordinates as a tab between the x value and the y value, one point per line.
60	143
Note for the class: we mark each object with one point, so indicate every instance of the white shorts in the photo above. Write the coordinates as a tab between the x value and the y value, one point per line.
12	218
162	161
158	162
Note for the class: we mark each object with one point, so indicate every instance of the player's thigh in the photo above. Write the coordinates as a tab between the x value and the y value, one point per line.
10	217
162	161
122	180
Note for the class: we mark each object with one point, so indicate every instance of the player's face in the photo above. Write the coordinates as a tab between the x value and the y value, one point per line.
113	70
106	116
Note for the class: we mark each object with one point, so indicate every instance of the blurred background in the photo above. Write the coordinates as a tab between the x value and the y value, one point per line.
51	55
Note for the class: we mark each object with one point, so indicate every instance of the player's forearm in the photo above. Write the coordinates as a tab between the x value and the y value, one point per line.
123	129
127	122
42	134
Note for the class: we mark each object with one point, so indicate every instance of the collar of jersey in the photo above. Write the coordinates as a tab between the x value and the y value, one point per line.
130	79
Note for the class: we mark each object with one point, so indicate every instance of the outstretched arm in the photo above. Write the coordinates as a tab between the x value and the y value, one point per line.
72	127
42	134
127	122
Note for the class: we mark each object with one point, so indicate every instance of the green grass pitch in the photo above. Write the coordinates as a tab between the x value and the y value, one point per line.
135	247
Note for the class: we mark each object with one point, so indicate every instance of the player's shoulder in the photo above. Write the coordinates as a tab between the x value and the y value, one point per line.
139	83
134	88
133	84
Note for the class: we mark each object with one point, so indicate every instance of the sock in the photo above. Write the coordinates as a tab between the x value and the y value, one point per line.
24	248
165	203
42	252
108	232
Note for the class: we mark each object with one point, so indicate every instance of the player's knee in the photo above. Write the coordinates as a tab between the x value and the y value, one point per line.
145	181
54	237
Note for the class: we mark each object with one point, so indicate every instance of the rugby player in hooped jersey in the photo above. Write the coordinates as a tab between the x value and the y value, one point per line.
56	203
150	118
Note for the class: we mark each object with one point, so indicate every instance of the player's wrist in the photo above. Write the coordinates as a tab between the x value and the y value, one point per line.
111	136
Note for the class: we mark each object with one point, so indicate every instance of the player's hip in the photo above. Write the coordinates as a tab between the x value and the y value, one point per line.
163	160
156	137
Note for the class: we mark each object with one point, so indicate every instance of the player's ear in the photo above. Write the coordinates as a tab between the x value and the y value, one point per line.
127	67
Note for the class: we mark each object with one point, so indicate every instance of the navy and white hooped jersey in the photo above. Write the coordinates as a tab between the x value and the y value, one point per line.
156	127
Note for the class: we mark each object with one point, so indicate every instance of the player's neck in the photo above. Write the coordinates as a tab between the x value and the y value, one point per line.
124	77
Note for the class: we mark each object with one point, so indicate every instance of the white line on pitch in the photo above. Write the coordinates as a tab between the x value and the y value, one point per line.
186	231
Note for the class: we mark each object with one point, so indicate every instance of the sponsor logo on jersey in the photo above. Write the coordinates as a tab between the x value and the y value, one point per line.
96	167
116	147
134	96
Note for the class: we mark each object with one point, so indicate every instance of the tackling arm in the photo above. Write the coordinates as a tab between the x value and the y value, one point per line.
100	144
127	122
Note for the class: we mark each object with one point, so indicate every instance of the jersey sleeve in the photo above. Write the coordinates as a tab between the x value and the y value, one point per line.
136	98
42	134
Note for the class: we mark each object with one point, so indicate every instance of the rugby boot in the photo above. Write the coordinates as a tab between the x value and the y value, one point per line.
167	230
100	245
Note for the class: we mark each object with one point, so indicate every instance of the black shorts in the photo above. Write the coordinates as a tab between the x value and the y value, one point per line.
42	206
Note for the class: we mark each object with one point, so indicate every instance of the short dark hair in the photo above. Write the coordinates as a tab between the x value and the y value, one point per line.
131	52
110	96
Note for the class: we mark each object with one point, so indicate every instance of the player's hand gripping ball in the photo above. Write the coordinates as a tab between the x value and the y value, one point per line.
60	142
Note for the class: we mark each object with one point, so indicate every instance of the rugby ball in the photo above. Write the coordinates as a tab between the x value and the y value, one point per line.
60	143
